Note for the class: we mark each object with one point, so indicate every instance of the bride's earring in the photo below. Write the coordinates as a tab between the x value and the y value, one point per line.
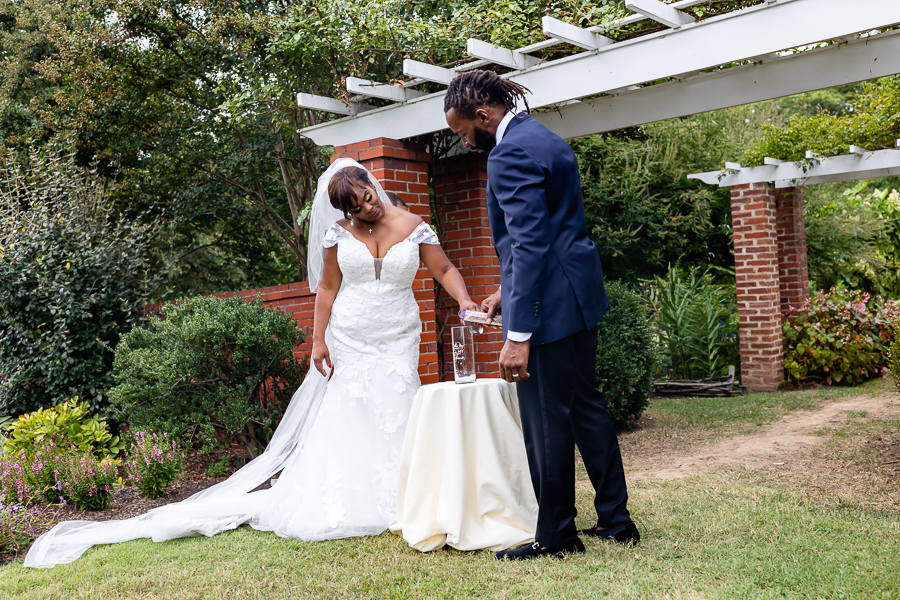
351	222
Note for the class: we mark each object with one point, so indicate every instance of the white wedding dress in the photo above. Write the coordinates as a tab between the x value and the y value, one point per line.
338	446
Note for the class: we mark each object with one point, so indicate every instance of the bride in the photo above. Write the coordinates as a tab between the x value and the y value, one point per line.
338	445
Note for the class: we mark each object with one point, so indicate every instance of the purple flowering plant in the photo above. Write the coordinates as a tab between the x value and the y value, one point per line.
19	524
154	462
86	482
839	337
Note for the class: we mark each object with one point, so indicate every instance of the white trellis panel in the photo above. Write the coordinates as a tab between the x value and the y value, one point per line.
848	167
773	26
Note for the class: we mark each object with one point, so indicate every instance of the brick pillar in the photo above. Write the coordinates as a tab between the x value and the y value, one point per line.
459	190
753	213
402	167
793	275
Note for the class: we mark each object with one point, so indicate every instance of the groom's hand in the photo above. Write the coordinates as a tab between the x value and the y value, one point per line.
491	304
514	361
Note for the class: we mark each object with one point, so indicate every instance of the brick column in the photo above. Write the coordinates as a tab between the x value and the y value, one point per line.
793	275
402	167
459	190
753	213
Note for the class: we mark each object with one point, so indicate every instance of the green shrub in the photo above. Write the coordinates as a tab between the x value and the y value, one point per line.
210	364
219	468
72	278
69	424
627	356
154	463
838	337
697	321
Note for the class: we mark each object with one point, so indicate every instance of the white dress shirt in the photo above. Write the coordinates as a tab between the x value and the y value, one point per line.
515	336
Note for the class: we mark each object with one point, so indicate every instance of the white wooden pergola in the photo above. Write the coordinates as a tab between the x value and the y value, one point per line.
773	49
685	66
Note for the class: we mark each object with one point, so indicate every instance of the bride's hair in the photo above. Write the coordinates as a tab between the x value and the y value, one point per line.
473	89
343	187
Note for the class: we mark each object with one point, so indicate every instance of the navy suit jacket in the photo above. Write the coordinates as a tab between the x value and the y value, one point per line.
551	278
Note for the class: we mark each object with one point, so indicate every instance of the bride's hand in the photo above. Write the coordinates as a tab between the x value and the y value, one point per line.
467	305
321	357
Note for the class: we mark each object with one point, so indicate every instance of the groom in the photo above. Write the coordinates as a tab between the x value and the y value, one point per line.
552	296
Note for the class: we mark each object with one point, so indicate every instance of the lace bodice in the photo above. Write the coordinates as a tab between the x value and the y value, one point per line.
359	266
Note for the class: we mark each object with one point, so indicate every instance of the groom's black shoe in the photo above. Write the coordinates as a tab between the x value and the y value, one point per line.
630	536
535	551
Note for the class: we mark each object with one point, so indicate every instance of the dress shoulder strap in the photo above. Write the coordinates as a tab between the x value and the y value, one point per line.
424	234
335	234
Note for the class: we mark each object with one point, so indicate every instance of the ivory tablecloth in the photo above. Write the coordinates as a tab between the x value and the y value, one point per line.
464	478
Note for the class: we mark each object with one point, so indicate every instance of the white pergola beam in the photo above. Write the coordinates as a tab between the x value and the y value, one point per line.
433	73
659	12
773	161
499	55
560	30
825	67
725	39
857	150
331	105
847	167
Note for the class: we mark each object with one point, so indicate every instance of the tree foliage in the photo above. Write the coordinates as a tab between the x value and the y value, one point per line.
853	237
642	211
72	279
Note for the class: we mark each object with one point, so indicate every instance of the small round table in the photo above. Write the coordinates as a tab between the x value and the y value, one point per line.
464	478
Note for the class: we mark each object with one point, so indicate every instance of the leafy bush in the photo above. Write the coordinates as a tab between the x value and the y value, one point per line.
627	356
154	463
69	424
72	278
697	321
838	337
219	468
210	364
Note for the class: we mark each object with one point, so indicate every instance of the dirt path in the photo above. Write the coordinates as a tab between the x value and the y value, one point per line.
778	444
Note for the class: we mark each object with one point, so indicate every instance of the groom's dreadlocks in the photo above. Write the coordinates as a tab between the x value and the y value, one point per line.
473	89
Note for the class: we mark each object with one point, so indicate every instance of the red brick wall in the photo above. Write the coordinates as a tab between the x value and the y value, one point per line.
402	167
793	274
753	212
459	191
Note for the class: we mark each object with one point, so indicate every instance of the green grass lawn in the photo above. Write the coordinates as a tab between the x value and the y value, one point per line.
753	410
724	534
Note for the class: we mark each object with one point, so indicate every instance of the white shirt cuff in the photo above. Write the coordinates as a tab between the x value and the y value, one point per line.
518	336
